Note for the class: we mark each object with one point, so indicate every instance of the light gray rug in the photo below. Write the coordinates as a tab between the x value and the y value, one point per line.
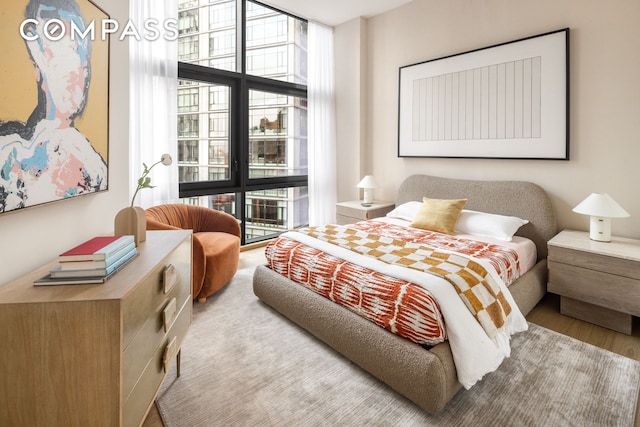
243	364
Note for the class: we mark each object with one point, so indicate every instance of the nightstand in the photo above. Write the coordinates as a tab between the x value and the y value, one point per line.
597	282
353	211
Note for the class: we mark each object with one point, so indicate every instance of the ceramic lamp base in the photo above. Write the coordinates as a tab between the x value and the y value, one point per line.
368	196
600	229
131	221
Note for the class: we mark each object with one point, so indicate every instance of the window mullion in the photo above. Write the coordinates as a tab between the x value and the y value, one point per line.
266	108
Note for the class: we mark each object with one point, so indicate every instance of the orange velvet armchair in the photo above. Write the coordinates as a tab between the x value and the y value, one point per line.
216	242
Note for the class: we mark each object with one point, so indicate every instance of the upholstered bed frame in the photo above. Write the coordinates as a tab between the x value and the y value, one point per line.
426	377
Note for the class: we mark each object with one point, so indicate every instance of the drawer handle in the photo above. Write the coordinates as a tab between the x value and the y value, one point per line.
169	314
170	352
169	277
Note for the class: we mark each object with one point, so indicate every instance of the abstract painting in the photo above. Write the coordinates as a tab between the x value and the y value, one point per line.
505	101
53	103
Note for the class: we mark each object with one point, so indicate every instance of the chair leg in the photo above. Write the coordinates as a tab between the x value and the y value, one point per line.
202	300
178	363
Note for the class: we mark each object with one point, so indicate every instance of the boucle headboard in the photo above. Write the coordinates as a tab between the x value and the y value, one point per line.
518	198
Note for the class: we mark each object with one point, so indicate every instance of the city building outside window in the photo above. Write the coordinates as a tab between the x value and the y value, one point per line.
242	114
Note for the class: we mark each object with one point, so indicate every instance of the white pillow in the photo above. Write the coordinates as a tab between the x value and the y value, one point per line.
489	225
406	211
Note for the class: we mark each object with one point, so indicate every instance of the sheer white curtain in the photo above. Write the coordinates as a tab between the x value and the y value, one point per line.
153	103
322	129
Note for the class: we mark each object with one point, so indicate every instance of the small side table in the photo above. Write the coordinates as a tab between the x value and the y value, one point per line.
597	282
353	211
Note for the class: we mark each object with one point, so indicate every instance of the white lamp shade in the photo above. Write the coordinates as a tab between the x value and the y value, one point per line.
602	205
367	182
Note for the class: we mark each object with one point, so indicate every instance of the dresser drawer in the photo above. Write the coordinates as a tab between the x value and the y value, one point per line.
595	287
137	402
137	354
145	310
149	296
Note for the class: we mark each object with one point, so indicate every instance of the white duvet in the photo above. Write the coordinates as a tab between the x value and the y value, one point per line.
474	353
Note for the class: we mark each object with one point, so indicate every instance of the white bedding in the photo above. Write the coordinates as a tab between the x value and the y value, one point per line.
474	353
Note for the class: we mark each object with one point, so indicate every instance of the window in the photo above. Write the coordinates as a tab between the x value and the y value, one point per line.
187	125
188	48
188	22
188	100
242	114
188	151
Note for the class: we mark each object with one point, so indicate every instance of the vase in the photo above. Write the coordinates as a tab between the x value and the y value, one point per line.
131	221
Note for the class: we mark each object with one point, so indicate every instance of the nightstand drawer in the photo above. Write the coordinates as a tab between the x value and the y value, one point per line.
603	289
592	261
353	211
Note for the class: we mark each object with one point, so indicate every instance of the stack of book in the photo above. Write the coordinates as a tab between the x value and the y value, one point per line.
93	261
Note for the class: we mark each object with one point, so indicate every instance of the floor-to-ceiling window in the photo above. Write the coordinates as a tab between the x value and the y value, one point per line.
242	113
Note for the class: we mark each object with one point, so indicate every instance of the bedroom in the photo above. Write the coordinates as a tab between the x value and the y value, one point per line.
603	106
605	57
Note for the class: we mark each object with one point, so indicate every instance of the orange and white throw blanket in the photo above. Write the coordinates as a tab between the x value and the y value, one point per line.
478	309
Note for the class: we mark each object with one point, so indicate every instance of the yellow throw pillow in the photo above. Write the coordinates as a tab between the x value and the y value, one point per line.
439	215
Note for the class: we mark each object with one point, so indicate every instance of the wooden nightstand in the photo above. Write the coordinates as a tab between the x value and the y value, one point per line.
598	282
353	211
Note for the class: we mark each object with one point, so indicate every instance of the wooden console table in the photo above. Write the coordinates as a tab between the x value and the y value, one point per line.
95	355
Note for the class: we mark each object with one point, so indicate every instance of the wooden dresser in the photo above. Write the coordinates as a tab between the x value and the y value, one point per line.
599	282
94	355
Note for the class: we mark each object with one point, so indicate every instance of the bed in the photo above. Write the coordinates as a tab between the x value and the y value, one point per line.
426	376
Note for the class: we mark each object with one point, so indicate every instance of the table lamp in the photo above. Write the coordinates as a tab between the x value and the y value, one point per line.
368	184
601	208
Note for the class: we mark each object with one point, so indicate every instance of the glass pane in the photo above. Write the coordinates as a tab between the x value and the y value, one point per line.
276	45
207	33
203	131
220	202
271	212
277	135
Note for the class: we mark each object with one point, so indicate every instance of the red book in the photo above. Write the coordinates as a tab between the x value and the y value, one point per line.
96	249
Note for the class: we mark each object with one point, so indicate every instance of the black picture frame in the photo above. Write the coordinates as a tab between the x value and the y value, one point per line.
506	101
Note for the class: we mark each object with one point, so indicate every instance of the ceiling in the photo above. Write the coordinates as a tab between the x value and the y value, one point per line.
335	12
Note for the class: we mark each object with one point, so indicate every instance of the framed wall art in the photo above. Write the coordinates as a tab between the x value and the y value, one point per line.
54	102
508	101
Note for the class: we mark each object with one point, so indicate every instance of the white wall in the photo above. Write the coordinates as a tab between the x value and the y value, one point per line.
35	236
604	103
350	96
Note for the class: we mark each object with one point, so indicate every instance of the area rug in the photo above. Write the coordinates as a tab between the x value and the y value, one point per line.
243	364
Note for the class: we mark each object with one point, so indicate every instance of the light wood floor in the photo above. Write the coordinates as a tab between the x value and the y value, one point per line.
546	314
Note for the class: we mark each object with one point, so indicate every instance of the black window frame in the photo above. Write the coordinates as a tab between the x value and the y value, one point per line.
240	84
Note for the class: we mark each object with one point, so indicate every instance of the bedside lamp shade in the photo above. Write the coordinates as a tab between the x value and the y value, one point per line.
368	184
601	208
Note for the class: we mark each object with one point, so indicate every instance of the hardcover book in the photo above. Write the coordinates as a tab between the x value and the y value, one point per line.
97	249
90	265
58	272
48	280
